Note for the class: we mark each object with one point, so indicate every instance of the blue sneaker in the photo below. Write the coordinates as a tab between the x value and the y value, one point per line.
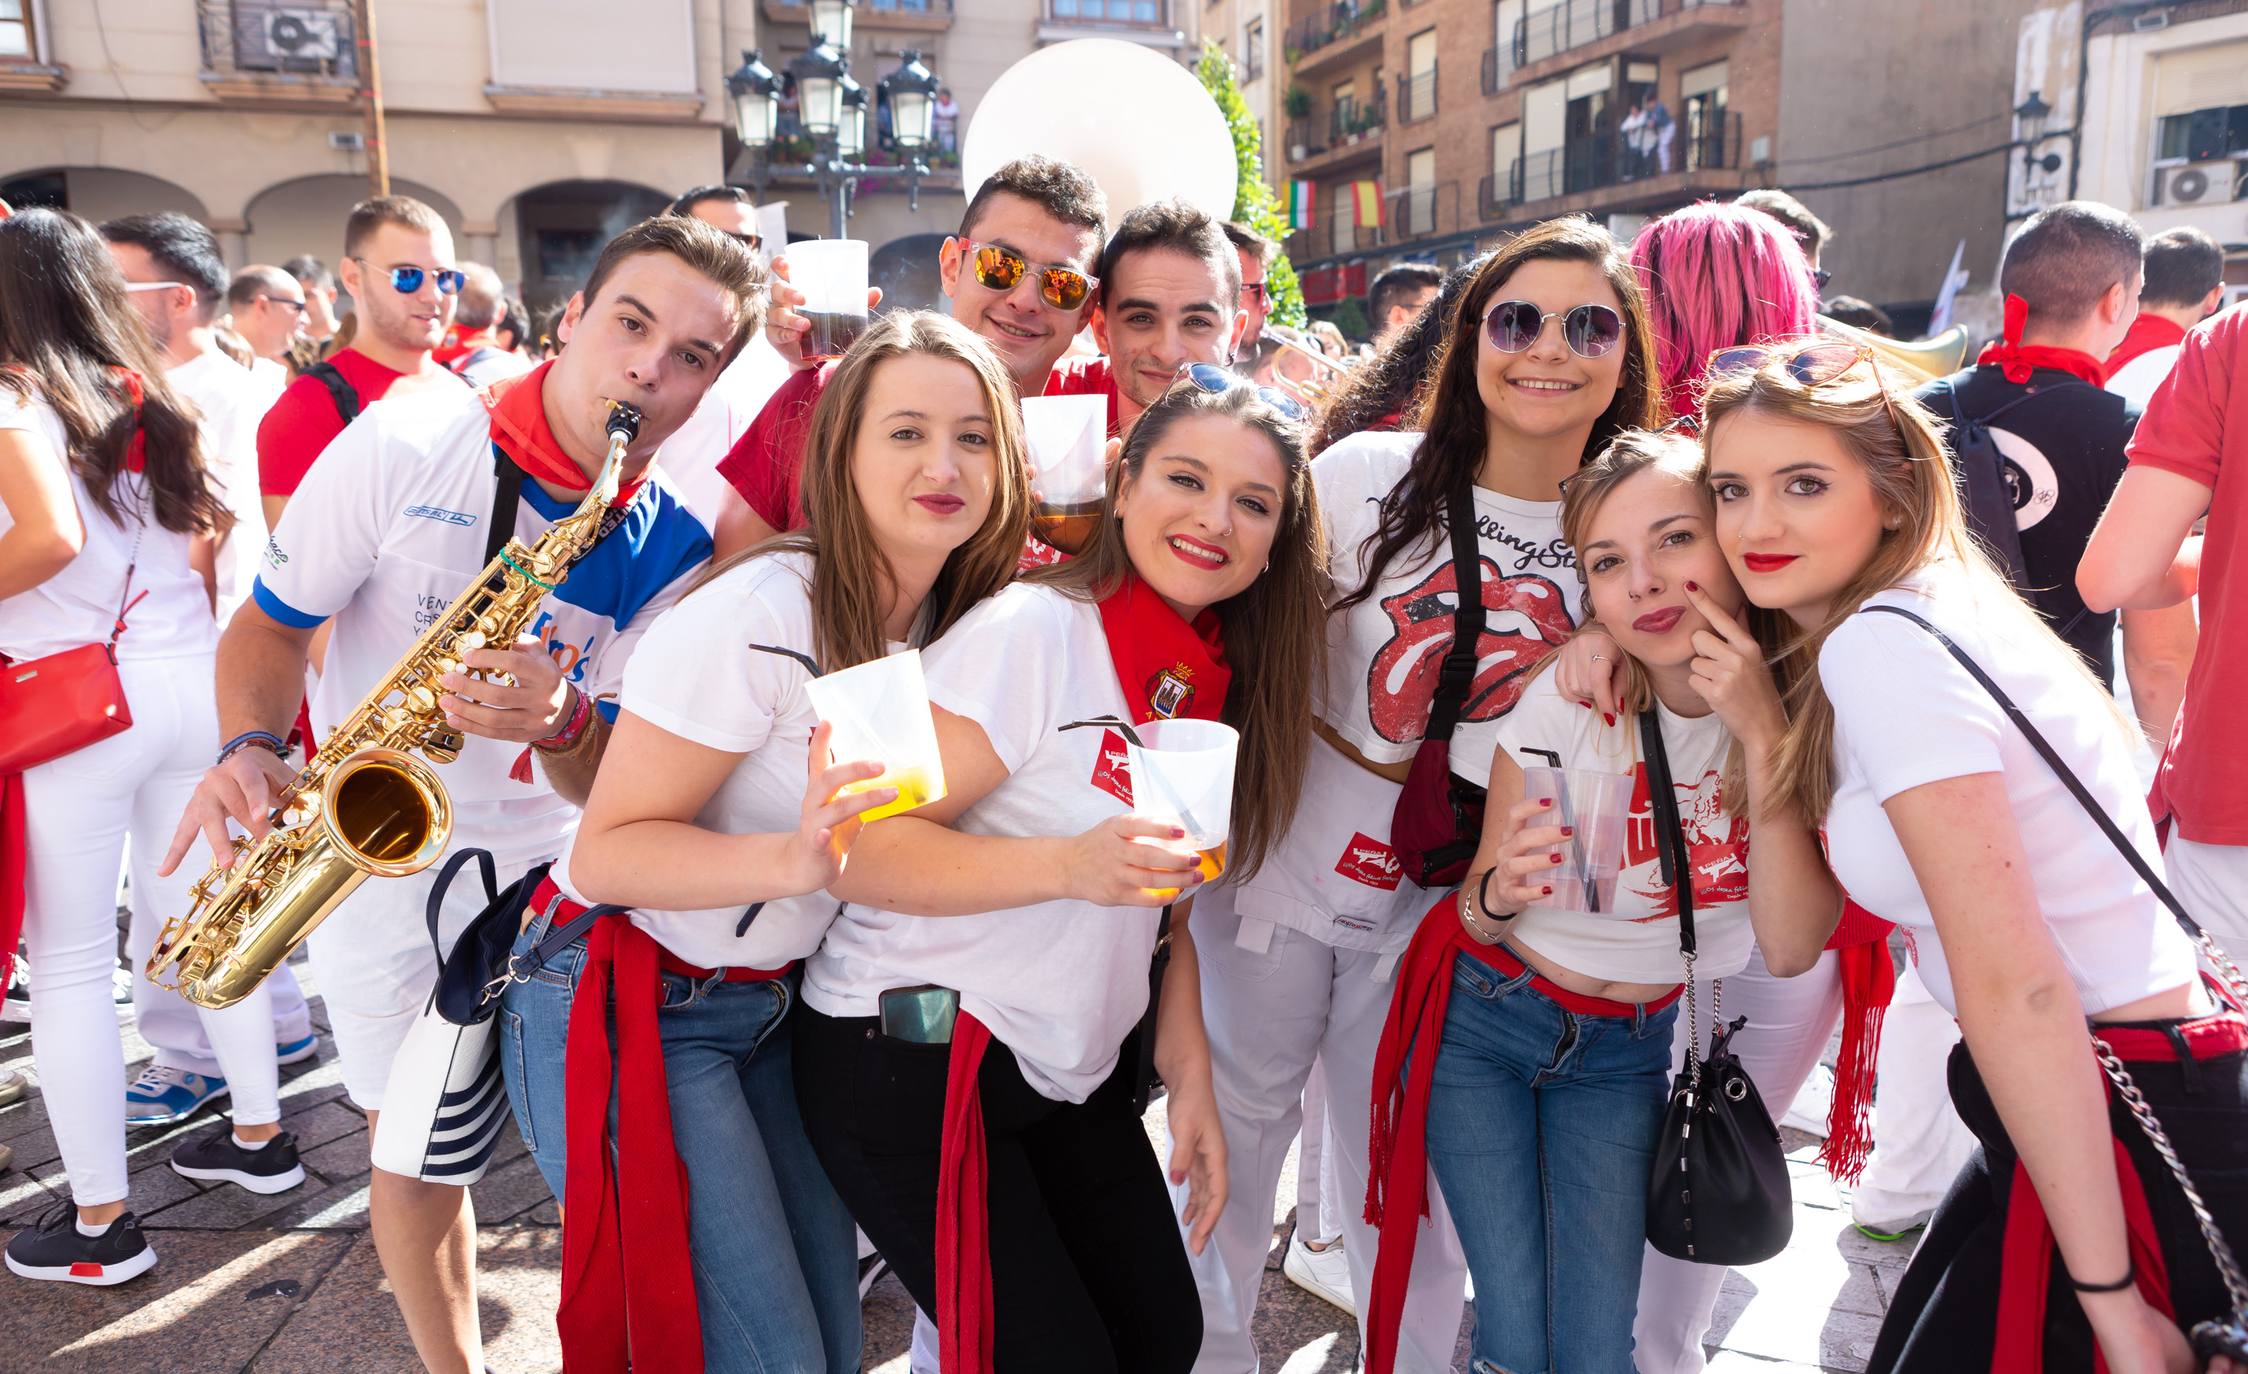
296	1051
161	1096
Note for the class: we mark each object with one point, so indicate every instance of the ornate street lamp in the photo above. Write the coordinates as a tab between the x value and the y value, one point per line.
819	71
912	89
757	100
831	23
850	131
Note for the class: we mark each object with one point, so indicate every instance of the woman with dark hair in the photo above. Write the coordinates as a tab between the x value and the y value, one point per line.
111	527
1545	358
1378	393
977	1023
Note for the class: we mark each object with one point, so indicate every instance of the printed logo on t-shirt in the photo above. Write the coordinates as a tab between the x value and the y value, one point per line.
2031	483
439	513
1112	770
274	558
1525	617
1369	861
1716	846
570	658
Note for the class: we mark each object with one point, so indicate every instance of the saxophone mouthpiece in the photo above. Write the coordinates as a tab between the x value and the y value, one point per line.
624	421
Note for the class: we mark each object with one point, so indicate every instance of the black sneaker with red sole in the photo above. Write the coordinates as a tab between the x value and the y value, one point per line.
53	1249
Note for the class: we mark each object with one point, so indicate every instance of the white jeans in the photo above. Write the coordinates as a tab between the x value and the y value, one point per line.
1274	999
79	810
1789	1023
169	1022
1319	1206
1919	1142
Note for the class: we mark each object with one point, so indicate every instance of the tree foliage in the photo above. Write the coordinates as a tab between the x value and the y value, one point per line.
1254	204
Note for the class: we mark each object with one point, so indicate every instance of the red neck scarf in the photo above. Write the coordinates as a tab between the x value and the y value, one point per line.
1167	669
2017	359
2148	333
517	406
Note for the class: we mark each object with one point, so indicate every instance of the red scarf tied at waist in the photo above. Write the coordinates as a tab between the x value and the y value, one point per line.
2026	1258
628	1281
517	406
1861	949
1168	669
2016	360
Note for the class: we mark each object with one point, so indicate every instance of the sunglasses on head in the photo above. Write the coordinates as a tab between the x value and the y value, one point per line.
1215	380
1003	269
407	280
752	242
1808	366
1591	331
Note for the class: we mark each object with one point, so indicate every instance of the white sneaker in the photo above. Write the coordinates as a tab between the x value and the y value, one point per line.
1325	1274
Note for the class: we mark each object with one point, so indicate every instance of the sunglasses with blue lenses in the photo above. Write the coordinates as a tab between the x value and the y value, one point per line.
407	280
1216	380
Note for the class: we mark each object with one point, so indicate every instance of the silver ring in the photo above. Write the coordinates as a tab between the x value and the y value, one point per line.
1600	658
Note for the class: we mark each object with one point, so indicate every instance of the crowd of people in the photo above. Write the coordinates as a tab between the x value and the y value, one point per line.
1584	512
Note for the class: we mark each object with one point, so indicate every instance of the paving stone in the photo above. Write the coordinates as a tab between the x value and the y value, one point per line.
321	1122
340	1205
508	1190
341	1157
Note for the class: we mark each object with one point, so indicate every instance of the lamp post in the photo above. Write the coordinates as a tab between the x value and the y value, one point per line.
833	108
2037	169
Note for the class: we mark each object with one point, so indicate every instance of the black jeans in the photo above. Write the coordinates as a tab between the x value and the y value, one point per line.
1088	1267
1943	1317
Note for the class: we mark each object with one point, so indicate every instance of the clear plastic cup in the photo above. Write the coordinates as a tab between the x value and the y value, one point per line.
832	275
1595	805
1067	436
880	711
1182	772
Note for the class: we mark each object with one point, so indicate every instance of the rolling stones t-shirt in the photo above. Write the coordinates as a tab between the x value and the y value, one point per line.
1384	654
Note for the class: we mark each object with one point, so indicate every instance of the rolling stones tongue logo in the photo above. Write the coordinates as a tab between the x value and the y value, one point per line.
1716	847
1525	617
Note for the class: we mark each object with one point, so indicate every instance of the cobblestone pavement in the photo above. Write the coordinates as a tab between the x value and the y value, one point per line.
290	1283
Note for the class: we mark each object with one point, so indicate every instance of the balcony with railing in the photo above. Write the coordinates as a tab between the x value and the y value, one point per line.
1351	133
1498	65
1606	172
1416	96
889	16
1409	214
1333	31
299	53
1575	31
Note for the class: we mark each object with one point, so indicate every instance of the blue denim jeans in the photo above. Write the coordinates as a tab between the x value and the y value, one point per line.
1541	1130
775	1260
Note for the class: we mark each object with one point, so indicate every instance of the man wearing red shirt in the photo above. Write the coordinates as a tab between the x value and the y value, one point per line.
398	266
1036	224
2145	554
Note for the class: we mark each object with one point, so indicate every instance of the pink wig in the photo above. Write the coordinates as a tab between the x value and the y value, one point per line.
1718	276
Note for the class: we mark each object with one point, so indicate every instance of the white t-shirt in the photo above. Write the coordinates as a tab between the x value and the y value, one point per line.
79	604
1637	941
726	668
388	529
2137	379
736	396
1384	654
233	400
1906	713
1059	983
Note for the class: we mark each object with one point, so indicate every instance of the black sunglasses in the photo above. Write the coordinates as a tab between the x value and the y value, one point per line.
293	307
1215	380
407	280
1003	269
1820	277
1591	331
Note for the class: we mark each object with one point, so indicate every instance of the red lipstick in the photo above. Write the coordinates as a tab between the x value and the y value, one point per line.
941	503
1767	562
1660	622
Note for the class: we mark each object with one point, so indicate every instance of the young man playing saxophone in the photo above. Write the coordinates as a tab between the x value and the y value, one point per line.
386	530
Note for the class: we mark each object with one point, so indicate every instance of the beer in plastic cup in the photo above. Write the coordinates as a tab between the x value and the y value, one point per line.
879	710
1068	474
1596	806
832	275
1182	772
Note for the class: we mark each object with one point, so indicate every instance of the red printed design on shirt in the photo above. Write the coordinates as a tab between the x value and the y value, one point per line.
1525	617
1112	771
1716	847
1369	861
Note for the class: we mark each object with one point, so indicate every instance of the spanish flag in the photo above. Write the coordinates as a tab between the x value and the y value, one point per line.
1366	198
1302	196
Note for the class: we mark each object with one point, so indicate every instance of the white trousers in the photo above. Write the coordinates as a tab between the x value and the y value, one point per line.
79	811
1274	1000
1789	1023
169	1022
1919	1142
1319	1206
2212	881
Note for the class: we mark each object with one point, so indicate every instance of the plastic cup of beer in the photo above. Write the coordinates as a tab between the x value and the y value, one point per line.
1068	471
1595	805
1182	772
879	710
832	275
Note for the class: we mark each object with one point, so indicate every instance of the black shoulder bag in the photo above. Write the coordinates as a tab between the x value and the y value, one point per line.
1718	1193
1438	821
2210	1338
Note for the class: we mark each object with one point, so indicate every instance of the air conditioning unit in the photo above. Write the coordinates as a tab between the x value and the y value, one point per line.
2198	183
347	141
2150	23
291	39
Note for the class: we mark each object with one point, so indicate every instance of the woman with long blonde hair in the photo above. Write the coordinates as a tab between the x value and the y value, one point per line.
2066	1235
712	827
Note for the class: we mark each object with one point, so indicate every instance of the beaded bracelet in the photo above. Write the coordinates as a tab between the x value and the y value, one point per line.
260	739
573	725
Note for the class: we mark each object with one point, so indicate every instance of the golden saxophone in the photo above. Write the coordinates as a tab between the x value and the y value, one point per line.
363	806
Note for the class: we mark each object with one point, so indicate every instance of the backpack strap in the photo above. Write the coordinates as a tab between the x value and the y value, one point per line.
341	391
1457	673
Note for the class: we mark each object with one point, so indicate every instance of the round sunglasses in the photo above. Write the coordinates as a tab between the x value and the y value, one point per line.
1215	380
407	280
1591	331
1808	365
1002	269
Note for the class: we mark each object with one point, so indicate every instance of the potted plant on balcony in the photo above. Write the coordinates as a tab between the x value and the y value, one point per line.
1297	102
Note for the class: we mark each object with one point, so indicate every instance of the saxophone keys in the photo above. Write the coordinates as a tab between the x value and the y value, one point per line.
472	641
421	700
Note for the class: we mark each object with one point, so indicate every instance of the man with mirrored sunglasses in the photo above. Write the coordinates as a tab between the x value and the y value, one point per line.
399	271
1020	273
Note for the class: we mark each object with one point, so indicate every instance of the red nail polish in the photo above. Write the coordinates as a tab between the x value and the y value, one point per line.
1608	716
1545	891
1545	801
1692	588
1567	831
1555	857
